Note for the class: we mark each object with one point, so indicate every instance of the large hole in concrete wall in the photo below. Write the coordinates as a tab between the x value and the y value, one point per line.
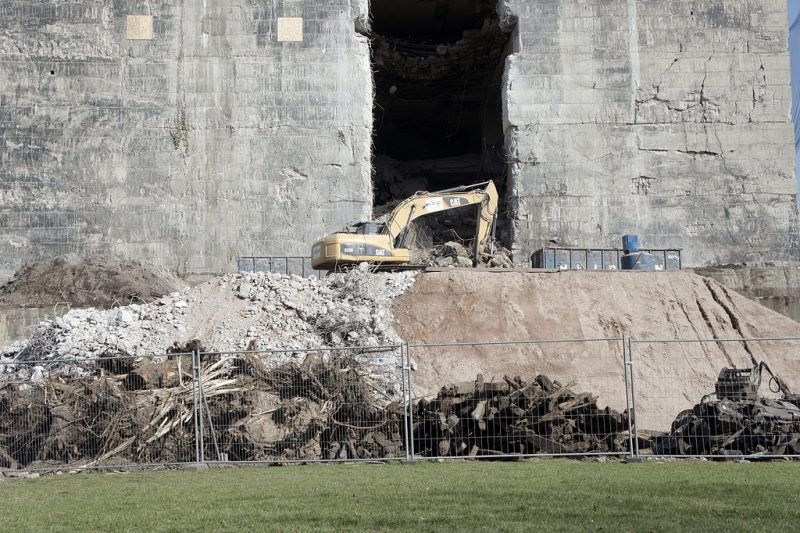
438	113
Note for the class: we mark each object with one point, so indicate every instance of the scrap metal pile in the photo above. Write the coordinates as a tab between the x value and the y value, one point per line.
740	421
734	427
516	417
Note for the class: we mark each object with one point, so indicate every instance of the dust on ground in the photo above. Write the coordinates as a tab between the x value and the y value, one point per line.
97	281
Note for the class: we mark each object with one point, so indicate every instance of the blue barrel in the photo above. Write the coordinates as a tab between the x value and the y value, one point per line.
638	261
630	243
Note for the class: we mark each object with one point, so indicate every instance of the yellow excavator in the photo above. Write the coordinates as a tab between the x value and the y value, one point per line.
382	243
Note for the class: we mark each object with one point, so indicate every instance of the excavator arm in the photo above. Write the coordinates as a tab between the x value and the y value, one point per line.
386	246
426	203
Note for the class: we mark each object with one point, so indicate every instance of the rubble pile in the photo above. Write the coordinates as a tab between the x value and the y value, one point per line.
143	413
313	411
254	311
453	254
449	254
734	427
516	417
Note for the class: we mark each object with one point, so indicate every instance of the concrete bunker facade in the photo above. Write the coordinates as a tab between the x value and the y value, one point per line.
192	133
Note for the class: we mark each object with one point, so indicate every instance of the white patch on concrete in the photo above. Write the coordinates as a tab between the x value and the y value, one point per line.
140	27
290	29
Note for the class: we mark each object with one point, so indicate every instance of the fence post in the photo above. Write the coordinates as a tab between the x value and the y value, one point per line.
204	405
635	424
410	389
406	401
626	366
195	406
201	459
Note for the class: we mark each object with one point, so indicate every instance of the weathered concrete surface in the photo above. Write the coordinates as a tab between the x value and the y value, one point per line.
669	118
210	140
203	137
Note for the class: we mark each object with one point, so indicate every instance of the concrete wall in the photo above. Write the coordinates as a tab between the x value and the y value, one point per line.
670	118
193	142
210	138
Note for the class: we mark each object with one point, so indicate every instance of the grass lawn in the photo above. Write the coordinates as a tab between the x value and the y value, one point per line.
499	496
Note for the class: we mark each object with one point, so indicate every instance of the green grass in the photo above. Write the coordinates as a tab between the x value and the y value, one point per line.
508	496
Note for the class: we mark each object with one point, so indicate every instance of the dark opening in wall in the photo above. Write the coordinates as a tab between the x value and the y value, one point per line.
438	112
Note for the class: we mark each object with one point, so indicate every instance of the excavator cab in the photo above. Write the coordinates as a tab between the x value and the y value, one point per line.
368	228
383	243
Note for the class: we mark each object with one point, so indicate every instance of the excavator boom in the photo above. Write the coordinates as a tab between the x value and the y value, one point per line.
368	244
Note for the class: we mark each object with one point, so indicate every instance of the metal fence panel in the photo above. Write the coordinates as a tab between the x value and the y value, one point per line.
280	264
317	404
687	405
82	413
548	407
571	397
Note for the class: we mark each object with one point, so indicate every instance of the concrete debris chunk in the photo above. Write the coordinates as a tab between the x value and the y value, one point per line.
292	313
454	254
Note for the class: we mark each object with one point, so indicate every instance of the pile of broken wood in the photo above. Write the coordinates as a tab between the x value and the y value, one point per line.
142	411
516	417
118	414
311	411
734	427
125	410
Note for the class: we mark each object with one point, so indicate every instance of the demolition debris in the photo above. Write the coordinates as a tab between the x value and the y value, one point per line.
143	412
761	426
516	417
254	311
127	411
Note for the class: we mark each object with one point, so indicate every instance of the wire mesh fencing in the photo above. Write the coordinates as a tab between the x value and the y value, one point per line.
289	265
324	404
573	397
491	412
716	397
88	412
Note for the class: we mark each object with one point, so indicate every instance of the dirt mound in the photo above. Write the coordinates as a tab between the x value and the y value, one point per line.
471	306
96	281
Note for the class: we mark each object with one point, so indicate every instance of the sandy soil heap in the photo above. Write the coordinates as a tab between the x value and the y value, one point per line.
465	306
